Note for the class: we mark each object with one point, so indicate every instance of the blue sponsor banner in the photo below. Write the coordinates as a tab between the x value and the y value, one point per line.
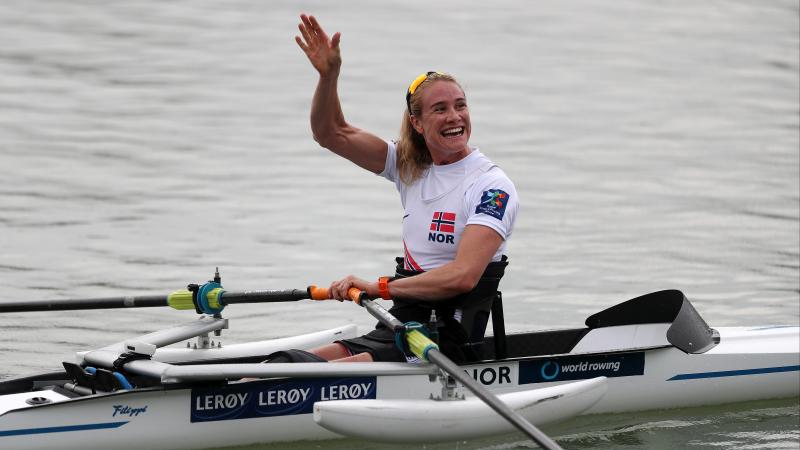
274	397
581	367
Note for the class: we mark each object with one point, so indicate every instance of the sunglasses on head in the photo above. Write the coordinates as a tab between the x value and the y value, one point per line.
415	85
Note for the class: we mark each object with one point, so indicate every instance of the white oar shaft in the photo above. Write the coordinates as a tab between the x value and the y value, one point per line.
438	358
452	369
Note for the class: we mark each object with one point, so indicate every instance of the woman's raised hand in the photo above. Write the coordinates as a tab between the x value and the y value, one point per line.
322	51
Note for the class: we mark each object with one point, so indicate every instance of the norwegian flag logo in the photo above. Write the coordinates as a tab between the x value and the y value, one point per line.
444	222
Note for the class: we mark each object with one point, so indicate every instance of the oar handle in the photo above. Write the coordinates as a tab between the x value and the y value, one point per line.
318	293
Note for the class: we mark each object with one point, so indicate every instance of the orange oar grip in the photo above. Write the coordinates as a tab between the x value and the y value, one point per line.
356	295
318	293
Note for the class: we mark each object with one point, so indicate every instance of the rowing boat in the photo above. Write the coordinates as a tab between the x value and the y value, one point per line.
651	352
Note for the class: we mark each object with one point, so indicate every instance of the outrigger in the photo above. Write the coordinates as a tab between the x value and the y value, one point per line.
651	352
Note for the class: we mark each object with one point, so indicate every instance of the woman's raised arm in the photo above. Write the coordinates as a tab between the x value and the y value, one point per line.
328	124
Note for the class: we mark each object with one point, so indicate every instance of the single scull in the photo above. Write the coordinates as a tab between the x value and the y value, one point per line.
652	352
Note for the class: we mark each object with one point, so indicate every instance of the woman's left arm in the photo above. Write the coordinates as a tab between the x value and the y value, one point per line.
476	248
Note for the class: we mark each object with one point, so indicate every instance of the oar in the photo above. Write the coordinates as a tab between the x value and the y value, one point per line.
211	298
215	299
427	350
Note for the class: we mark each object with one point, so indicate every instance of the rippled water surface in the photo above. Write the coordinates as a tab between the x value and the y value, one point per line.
653	144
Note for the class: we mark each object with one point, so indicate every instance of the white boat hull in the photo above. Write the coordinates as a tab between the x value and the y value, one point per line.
651	352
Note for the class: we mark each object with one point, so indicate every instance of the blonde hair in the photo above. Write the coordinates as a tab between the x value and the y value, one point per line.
413	156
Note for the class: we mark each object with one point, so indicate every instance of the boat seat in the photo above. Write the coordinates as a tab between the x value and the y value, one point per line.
476	348
485	301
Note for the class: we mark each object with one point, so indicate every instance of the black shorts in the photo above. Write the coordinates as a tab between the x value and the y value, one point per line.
381	345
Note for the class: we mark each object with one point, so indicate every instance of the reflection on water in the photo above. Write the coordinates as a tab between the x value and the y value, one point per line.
769	425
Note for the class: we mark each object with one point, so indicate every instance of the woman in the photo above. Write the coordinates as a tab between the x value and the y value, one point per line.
459	207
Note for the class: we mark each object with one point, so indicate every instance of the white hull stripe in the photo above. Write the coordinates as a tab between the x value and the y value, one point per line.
734	373
85	427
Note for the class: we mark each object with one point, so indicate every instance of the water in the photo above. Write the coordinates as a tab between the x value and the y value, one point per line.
653	145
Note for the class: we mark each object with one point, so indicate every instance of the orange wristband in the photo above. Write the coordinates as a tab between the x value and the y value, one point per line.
383	288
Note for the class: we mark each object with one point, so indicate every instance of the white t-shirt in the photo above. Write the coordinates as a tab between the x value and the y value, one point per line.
447	198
